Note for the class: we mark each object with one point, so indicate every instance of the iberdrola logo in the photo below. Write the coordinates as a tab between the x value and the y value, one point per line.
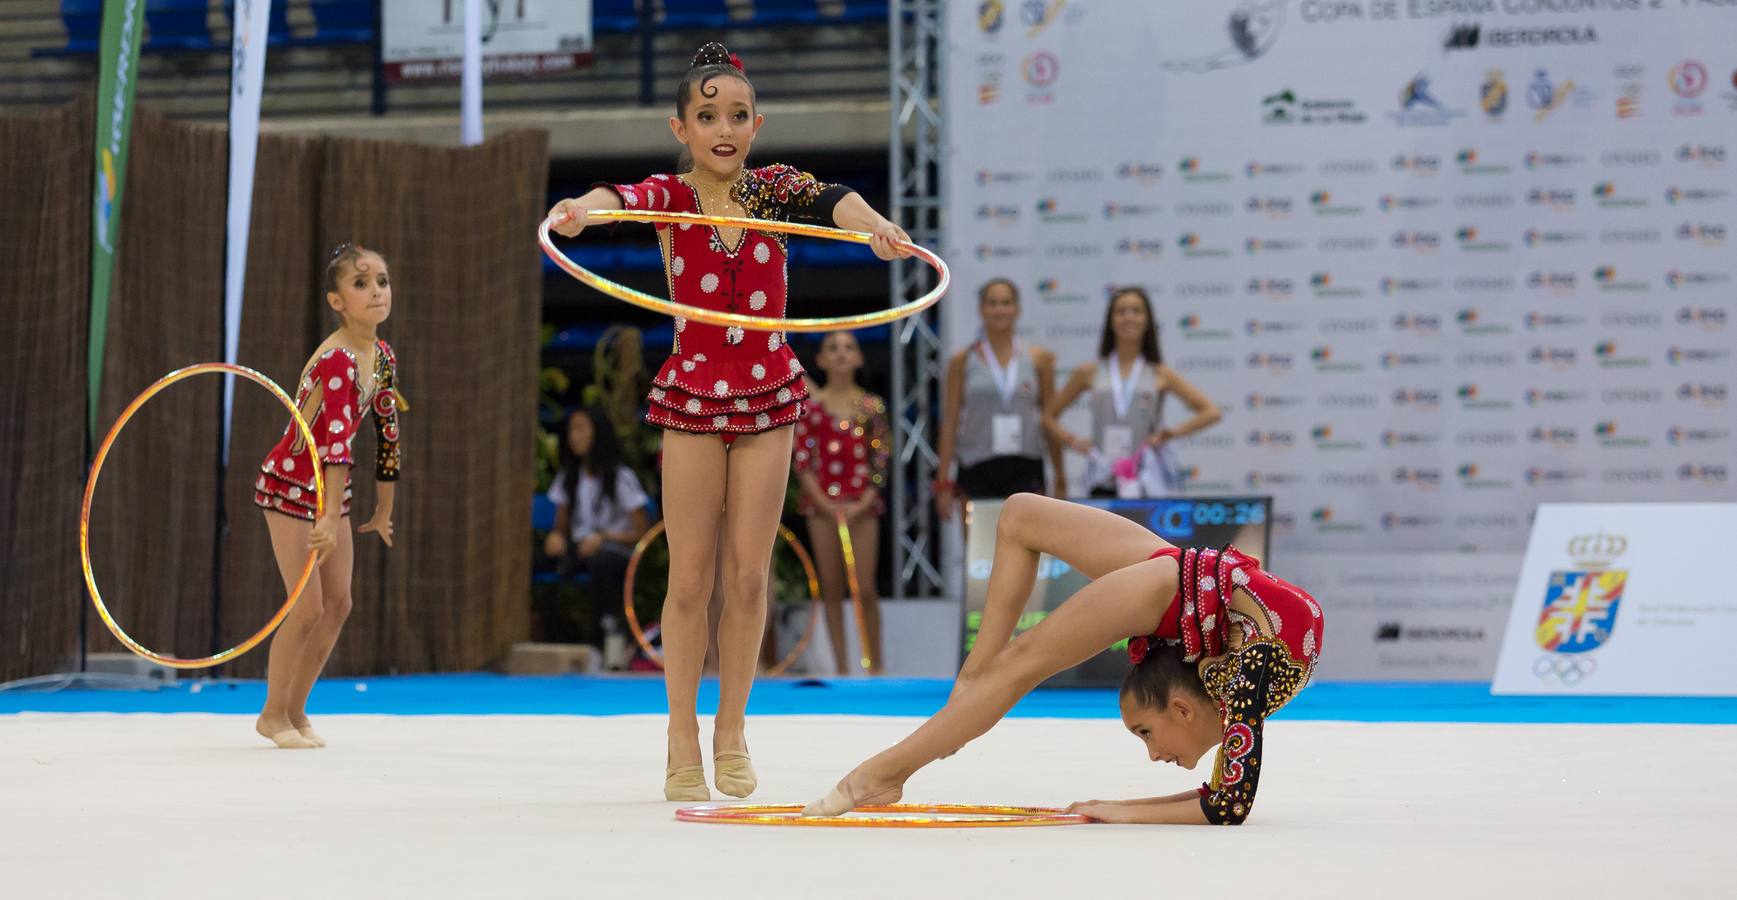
1608	436
1324	361
1607	281
1325	285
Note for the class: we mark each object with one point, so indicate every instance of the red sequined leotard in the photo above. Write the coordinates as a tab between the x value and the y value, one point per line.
1252	672
730	381
286	482
846	450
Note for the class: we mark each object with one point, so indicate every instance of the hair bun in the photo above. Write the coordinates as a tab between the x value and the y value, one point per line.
716	54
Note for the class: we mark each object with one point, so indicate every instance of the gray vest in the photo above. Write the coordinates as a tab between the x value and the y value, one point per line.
982	403
1144	412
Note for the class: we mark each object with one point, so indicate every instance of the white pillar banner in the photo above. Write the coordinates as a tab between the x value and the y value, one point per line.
246	83
470	77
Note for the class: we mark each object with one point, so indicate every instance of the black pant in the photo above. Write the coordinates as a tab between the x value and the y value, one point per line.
604	574
1001	476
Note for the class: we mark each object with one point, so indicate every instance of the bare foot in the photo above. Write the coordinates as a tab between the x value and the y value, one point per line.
282	733
856	790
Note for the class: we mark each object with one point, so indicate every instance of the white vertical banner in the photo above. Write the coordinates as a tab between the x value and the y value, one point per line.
246	83
470	77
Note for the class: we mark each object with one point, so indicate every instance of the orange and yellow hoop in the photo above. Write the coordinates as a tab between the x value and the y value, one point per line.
725	319
897	815
866	659
656	657
90	484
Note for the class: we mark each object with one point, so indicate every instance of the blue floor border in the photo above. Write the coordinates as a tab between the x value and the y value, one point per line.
491	694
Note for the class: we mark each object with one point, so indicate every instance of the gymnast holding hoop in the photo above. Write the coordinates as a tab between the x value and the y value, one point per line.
728	395
353	371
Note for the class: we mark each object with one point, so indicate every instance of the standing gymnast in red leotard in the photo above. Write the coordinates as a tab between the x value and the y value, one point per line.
727	396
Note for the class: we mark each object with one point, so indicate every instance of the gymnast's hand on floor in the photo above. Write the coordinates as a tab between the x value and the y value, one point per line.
1097	810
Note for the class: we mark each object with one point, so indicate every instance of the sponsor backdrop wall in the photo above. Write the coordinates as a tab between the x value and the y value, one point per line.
1439	261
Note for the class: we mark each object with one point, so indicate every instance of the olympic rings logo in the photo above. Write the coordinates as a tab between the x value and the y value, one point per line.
1568	670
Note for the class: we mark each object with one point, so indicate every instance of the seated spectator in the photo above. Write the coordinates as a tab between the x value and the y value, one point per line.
600	513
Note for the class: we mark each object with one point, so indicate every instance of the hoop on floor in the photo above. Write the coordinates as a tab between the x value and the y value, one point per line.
725	319
96	597
656	657
897	815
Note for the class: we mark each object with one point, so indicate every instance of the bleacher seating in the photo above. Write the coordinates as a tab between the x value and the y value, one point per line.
322	58
695	14
84	27
786	12
342	22
277	33
865	10
614	16
177	25
183	25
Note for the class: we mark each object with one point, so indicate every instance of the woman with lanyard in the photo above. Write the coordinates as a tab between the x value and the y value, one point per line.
1128	384
992	414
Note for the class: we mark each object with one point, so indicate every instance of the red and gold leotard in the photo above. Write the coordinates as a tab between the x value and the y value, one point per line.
847	450
286	482
1250	672
730	381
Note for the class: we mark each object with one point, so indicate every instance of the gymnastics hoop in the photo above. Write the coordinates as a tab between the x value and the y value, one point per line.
725	319
897	815
656	657
866	659
96	597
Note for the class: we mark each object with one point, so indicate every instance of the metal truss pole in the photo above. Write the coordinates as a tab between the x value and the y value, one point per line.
916	33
